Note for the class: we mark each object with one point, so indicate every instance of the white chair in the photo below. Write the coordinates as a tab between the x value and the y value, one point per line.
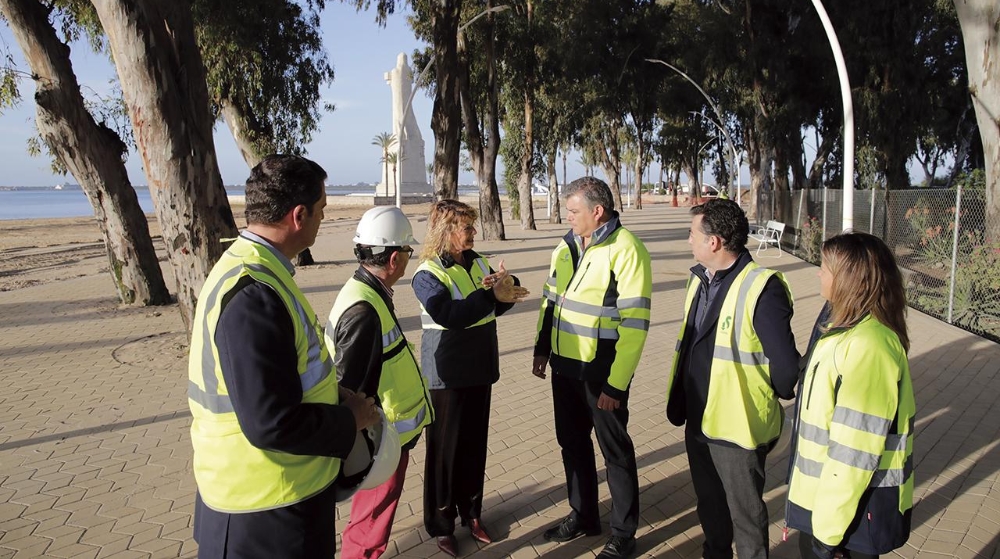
769	234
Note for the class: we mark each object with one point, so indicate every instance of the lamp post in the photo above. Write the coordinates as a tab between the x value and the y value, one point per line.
845	94
420	80
734	172
735	156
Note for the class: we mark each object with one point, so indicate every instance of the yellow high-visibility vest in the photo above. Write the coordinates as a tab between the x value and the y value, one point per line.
232	474
401	388
852	467
742	407
459	283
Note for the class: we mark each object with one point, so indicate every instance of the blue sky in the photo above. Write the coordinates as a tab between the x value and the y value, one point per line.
361	53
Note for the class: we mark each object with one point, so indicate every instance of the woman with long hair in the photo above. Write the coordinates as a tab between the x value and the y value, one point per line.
460	297
850	490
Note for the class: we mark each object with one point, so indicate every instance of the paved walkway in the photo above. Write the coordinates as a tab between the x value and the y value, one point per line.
95	459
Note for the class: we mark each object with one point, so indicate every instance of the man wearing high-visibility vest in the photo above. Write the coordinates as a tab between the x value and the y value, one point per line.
371	355
268	427
735	356
592	328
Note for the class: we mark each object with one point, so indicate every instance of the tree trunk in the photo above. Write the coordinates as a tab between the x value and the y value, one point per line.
639	156
240	126
550	165
527	161
611	161
980	22
446	118
484	150
163	83
92	153
816	170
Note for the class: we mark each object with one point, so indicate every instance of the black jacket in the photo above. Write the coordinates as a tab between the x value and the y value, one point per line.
771	322
458	356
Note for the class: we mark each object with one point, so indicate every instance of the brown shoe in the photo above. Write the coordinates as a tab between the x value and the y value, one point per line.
479	531
448	545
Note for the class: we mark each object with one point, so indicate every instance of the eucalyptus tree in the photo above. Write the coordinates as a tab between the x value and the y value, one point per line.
163	82
266	66
437	22
91	151
982	51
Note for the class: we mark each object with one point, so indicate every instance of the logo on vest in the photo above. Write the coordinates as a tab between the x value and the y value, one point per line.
726	324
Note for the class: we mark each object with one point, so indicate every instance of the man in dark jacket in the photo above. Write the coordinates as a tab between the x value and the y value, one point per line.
371	355
267	431
736	356
592	328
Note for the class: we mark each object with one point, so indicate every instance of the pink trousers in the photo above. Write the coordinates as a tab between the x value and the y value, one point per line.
372	512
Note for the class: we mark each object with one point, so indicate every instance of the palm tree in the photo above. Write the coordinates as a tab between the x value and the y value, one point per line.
392	159
385	141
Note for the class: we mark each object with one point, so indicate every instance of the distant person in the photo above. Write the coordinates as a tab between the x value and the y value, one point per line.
371	355
735	358
851	487
592	328
269	423
460	297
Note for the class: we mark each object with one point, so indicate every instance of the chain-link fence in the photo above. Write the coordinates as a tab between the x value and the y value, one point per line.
945	243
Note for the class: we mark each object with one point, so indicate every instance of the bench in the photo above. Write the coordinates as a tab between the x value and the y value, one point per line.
769	234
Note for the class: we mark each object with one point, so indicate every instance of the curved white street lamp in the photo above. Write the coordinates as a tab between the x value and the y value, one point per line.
735	157
734	172
845	94
420	80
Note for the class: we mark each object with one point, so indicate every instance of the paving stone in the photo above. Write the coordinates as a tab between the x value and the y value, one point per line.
106	443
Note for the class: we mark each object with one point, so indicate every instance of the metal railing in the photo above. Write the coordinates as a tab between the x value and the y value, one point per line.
947	247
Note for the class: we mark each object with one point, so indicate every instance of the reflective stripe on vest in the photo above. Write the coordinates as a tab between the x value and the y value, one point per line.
452	282
739	379
233	475
317	369
401	388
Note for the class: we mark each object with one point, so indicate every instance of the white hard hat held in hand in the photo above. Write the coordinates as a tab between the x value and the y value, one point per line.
384	226
372	461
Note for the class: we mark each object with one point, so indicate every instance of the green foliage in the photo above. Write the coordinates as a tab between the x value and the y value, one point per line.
10	77
975	180
265	58
932	238
976	305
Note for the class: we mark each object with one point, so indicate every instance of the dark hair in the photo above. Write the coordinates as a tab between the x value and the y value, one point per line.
366	257
724	219
866	280
278	184
593	190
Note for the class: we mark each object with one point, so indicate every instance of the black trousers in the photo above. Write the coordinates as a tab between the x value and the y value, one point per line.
807	551
456	457
576	415
305	529
729	483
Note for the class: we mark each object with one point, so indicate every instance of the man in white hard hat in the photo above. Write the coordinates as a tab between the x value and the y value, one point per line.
372	355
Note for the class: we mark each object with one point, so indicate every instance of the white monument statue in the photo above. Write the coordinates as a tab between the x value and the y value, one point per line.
411	169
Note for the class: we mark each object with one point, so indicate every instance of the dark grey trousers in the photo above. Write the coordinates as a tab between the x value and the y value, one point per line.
729	483
576	416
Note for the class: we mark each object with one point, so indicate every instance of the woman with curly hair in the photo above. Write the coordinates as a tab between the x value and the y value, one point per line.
460	297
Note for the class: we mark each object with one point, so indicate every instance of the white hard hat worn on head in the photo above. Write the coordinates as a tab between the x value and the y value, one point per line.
372	461
384	226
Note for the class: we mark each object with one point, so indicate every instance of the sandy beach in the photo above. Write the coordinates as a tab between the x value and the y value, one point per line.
38	251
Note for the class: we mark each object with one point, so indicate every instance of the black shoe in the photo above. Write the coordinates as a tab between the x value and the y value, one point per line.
618	547
569	529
